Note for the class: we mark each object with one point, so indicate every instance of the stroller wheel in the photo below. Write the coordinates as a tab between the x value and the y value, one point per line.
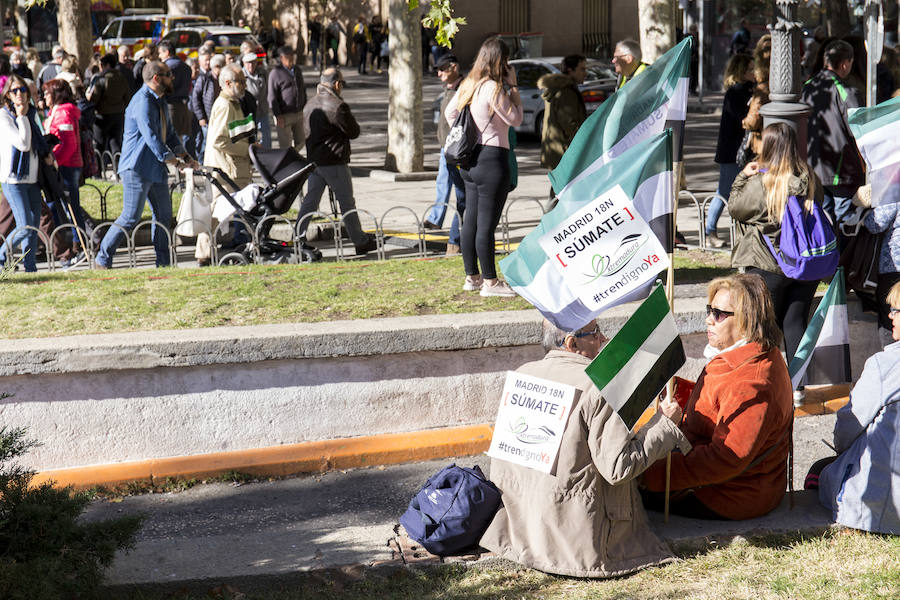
309	253
234	258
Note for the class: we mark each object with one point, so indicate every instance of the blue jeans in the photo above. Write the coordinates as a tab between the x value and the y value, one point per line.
25	202
447	179
727	174
265	132
135	193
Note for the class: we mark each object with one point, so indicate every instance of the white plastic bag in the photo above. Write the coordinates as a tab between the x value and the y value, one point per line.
195	212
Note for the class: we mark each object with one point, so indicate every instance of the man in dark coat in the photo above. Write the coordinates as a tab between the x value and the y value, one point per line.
564	109
177	100
287	97
110	94
331	126
831	148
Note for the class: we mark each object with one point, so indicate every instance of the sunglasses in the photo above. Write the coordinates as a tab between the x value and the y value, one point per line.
718	315
19	90
595	332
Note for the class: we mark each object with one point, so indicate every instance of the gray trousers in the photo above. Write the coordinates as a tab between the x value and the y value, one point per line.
338	178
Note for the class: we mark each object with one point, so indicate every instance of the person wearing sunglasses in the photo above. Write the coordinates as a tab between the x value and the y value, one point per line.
861	486
737	416
150	143
583	519
21	146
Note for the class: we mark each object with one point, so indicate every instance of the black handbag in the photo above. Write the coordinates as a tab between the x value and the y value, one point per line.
459	149
860	259
745	153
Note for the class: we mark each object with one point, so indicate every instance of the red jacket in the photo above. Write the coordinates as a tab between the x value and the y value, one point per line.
740	407
63	123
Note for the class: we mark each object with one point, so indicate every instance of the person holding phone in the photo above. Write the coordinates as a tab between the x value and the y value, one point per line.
492	93
21	147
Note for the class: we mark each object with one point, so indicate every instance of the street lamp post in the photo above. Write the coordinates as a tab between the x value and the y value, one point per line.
784	74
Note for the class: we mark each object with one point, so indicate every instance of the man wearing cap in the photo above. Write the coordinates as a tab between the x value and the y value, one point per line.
287	97
448	177
331	126
257	86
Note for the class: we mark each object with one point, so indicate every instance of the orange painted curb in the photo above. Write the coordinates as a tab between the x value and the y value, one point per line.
308	457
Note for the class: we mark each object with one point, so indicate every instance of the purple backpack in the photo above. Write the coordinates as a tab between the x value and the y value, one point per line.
807	247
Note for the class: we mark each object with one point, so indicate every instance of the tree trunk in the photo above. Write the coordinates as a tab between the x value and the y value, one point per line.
656	22
303	34
405	151
837	18
179	7
75	34
248	10
288	14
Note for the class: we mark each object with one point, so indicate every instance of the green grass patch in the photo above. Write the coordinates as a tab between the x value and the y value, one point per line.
53	304
842	565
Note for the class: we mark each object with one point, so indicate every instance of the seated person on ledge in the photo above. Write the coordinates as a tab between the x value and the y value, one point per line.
584	519
862	485
738	416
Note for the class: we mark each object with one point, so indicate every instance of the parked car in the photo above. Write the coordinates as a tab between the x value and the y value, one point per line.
599	84
135	31
189	38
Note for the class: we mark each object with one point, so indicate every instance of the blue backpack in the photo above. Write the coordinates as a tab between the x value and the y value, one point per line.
452	510
807	249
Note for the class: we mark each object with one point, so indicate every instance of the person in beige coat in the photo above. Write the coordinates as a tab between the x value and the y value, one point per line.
585	518
231	155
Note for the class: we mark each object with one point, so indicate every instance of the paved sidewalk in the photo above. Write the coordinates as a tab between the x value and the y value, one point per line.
215	532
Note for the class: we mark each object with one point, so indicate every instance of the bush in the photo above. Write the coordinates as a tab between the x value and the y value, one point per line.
45	552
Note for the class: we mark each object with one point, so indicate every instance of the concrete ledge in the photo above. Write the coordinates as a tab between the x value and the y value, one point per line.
287	460
389	176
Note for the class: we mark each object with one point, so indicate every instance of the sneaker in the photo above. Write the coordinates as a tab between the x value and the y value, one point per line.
74	261
452	249
100	266
473	284
714	241
429	225
679	239
501	288
799	397
367	247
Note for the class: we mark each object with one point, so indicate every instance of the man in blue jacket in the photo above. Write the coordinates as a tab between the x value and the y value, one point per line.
150	143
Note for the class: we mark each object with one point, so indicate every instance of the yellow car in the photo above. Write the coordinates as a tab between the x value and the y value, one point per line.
188	39
137	30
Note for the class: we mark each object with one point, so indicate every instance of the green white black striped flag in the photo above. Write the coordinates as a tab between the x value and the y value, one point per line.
635	365
824	351
876	133
241	129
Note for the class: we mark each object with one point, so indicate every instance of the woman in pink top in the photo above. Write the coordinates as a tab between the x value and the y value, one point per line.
490	90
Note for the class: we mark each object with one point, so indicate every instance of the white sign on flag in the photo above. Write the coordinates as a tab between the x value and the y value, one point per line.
605	250
530	421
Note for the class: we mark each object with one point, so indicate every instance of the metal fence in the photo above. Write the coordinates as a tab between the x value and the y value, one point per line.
399	228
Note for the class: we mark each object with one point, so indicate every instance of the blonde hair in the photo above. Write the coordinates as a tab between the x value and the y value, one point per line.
781	156
736	70
893	296
752	307
489	64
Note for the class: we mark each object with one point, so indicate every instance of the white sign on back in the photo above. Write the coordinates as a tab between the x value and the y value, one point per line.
530	421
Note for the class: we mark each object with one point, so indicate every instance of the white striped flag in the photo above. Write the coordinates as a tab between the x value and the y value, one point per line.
620	262
635	365
653	101
824	351
876	133
240	129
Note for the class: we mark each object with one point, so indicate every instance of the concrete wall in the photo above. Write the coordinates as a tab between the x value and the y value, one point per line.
104	399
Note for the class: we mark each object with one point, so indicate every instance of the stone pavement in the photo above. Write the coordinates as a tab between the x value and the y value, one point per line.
219	532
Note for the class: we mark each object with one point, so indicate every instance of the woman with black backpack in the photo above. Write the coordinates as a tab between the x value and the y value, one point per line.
492	95
759	198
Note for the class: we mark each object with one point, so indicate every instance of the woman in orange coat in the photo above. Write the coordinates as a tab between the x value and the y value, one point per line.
738	416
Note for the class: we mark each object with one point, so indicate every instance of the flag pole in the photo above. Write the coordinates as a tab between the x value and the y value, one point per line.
670	296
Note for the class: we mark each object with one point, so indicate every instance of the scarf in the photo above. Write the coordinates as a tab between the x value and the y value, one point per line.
21	160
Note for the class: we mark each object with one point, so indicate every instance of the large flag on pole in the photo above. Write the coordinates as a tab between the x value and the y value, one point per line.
597	248
877	133
635	365
653	101
824	351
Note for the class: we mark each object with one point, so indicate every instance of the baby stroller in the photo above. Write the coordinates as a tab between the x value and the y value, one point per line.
284	173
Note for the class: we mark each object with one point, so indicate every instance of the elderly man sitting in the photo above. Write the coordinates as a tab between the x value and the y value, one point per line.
585	518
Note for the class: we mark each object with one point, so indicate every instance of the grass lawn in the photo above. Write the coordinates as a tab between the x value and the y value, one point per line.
847	564
52	304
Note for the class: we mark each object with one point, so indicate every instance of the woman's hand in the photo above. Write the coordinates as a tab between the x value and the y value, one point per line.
751	169
510	77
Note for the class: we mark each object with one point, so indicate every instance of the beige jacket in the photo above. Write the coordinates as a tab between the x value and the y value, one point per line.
586	520
232	157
